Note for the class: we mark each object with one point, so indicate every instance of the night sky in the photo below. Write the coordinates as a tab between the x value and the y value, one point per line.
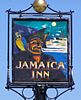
55	28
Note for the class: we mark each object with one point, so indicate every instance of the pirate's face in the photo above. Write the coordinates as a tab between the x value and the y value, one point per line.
35	45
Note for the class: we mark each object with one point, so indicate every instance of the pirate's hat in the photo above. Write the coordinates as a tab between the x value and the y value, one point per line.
40	34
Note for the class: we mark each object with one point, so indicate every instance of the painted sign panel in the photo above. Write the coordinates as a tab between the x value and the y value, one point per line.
40	50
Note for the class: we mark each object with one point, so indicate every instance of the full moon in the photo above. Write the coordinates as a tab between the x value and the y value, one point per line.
54	24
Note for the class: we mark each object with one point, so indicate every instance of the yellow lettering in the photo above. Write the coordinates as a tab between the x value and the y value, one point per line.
53	64
33	74
46	74
61	65
20	62
38	74
33	65
25	65
41	65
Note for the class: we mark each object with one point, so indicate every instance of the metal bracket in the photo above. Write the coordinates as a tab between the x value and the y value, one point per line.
39	92
22	93
59	94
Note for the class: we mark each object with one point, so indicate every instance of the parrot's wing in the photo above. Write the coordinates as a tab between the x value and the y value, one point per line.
20	44
24	42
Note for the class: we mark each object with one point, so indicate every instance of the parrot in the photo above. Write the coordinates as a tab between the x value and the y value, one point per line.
20	41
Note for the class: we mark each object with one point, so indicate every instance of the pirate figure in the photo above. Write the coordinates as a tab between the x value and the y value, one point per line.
34	44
